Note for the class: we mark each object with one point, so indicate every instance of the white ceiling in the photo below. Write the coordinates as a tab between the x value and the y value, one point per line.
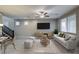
29	11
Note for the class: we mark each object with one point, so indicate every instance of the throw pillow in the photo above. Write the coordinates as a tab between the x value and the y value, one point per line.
67	38
61	34
58	33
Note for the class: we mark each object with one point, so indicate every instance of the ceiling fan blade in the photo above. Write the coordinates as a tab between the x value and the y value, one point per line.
45	13
41	12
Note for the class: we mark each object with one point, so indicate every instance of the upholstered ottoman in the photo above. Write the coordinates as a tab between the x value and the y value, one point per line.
28	44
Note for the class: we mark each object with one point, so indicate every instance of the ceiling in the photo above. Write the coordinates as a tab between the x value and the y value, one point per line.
29	11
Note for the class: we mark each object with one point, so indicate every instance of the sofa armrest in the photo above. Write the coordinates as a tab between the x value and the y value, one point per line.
71	43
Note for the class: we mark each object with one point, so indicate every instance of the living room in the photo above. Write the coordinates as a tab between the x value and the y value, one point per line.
55	24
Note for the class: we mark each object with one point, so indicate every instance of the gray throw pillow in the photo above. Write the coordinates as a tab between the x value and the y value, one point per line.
67	38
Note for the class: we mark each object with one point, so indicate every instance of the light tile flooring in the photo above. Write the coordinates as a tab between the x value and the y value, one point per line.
52	48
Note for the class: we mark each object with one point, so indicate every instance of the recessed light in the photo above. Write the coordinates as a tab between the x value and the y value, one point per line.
25	23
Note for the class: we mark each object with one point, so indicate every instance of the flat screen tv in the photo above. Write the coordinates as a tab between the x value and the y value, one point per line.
43	25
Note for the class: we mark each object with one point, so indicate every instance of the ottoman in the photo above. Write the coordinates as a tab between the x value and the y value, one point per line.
28	44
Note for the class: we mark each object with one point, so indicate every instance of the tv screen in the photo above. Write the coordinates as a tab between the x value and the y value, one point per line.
43	25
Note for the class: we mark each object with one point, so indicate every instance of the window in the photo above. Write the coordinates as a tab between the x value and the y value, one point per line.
68	24
71	23
63	25
25	23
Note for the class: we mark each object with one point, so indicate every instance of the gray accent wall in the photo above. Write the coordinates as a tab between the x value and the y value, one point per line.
25	30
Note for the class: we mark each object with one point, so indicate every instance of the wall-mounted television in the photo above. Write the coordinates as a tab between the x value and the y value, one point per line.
43	25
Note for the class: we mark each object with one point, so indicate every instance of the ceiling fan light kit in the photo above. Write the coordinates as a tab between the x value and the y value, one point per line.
42	14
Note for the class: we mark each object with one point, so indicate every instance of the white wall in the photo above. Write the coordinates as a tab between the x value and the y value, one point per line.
31	28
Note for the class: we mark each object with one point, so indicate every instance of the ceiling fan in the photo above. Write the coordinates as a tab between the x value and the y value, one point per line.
42	14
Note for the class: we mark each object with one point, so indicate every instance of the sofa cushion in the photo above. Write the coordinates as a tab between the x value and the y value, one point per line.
61	34
73	37
67	38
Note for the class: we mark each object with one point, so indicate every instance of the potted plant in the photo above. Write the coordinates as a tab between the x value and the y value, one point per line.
55	31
